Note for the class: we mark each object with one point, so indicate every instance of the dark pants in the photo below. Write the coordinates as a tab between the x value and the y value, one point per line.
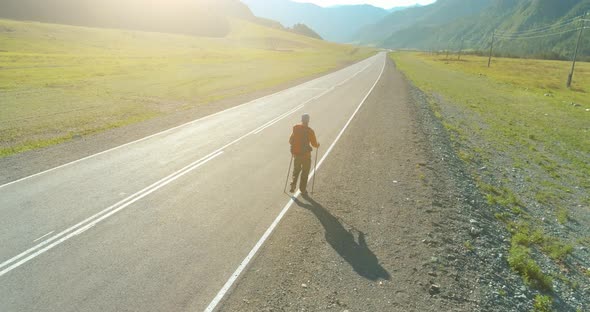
301	165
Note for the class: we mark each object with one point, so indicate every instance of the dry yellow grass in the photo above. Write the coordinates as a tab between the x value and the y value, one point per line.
60	81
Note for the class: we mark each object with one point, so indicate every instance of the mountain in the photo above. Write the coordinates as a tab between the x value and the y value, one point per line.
451	24
194	17
438	13
337	23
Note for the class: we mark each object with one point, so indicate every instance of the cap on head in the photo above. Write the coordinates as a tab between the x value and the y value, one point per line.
305	118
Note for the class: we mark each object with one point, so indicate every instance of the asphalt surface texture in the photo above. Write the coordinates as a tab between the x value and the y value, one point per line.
159	224
195	218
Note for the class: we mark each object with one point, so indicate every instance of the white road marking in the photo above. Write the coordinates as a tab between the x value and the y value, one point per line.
211	307
164	131
81	227
43	236
84	229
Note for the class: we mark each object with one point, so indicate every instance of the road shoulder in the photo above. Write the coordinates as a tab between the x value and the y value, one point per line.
385	229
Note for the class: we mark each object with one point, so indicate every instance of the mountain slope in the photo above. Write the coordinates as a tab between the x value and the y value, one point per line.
452	24
438	13
304	30
337	24
195	17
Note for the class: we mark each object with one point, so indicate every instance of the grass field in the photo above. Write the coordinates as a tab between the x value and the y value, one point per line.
526	139
58	82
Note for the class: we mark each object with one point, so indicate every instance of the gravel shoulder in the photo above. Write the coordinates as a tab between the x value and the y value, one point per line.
386	228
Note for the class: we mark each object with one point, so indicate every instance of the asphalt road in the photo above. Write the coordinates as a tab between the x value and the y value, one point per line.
162	223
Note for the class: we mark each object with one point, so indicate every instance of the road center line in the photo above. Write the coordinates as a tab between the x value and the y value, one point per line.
350	78
211	307
43	236
94	222
80	227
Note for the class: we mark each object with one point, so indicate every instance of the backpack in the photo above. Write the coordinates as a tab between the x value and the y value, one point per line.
304	146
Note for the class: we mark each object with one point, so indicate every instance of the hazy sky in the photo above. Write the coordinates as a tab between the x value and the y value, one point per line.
380	3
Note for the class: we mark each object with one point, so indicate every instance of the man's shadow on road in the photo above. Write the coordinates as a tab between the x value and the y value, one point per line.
358	255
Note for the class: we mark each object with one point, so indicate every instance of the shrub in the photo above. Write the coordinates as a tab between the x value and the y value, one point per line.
520	260
542	303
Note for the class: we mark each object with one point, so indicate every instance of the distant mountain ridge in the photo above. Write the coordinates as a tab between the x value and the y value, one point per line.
194	17
336	23
450	24
401	8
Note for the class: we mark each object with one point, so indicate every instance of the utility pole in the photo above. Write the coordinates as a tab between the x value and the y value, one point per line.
437	45
491	48
571	75
460	50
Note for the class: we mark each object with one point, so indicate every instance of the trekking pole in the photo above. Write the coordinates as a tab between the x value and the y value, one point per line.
288	171
315	167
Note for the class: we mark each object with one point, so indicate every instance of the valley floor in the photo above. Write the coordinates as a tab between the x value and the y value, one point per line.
398	221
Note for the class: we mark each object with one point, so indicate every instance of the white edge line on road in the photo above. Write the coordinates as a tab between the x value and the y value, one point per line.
211	307
170	129
94	219
43	236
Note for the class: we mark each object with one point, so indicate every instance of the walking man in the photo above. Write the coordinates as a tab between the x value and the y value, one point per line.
300	140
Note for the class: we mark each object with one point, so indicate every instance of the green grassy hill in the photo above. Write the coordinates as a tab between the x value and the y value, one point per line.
412	19
450	24
58	82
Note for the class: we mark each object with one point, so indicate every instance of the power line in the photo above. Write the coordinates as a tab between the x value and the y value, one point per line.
540	29
516	37
567	21
557	25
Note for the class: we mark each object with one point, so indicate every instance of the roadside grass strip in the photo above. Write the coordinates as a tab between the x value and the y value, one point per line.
525	138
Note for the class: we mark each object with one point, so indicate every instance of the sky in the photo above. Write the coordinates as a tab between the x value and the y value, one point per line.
387	4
